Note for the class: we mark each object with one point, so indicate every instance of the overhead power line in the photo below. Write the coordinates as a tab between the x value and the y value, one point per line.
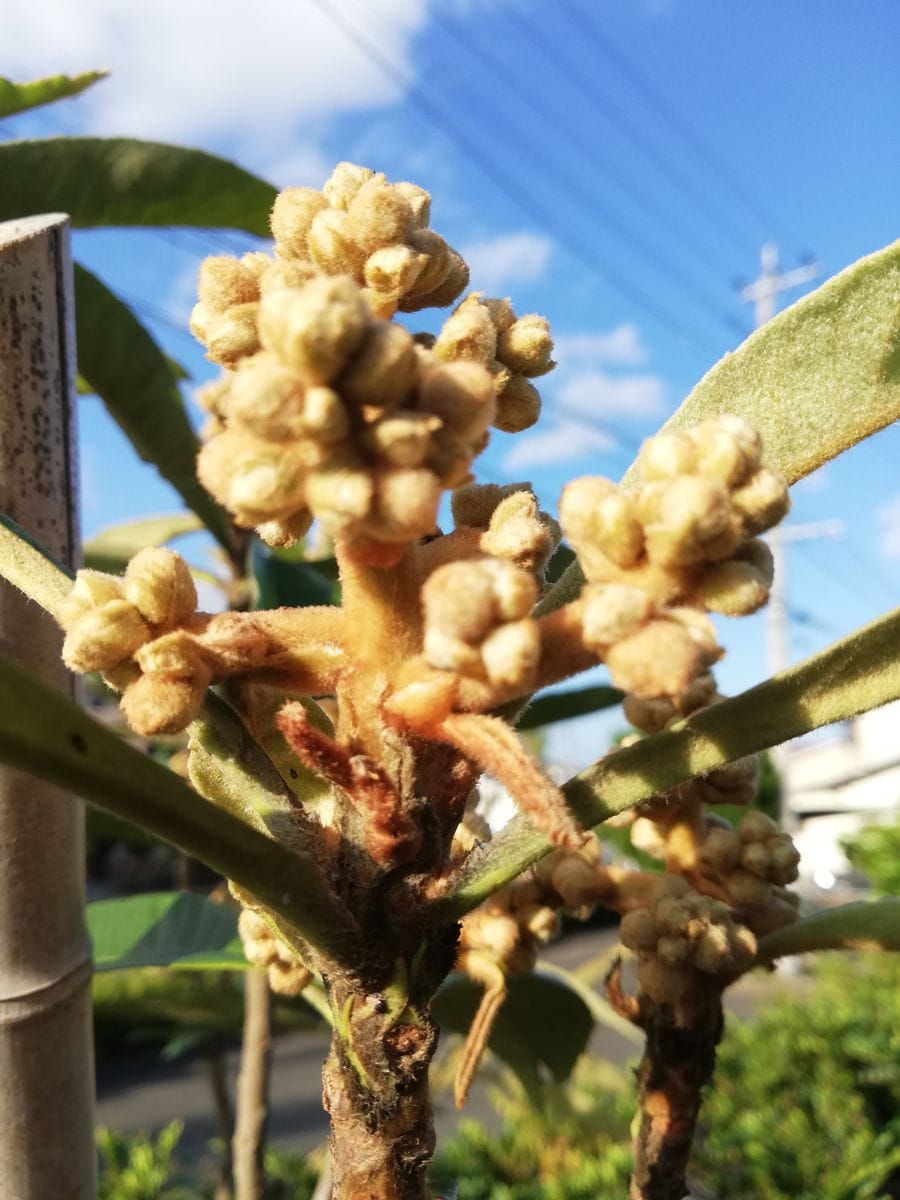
699	144
454	132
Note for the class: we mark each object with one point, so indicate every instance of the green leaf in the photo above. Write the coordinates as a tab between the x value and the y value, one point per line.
164	929
860	672
44	733
113	548
19	97
542	1027
32	569
563	706
819	377
865	925
600	1009
281	583
121	181
124	366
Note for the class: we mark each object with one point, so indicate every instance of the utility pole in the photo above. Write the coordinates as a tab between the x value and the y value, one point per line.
762	293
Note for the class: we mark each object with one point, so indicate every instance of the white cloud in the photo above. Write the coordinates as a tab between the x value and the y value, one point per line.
566	441
187	70
621	346
888	519
512	258
599	395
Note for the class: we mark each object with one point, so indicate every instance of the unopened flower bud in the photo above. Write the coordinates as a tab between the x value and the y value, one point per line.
637	930
659	660
156	704
158	582
518	405
461	394
231	335
511	653
90	590
392	270
526	347
406	503
468	334
379	215
287	531
266	398
316	328
454	278
383	370
225	281
687	520
418	200
762	501
612	612
667	455
344	182
403	439
331	245
340	497
286	273
324	416
104	637
293	213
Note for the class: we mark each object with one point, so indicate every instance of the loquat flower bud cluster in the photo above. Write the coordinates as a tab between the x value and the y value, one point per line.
514	526
679	935
688	532
477	621
130	630
752	864
514	350
287	974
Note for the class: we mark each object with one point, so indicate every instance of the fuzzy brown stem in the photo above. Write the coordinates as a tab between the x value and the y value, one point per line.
253	1088
678	1062
218	1081
375	1087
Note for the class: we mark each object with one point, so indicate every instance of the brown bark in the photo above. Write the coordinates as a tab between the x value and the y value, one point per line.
249	1142
678	1061
46	1059
218	1079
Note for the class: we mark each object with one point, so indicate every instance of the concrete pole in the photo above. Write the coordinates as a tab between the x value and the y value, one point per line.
46	1051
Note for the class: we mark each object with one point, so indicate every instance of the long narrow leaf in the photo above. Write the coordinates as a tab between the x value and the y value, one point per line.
19	97
112	548
865	925
131	375
121	181
857	673
31	568
47	735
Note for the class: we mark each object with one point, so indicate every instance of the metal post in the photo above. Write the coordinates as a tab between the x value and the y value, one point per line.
46	1053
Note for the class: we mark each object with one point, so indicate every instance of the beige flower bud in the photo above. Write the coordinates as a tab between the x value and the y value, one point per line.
406	504
712	953
667	455
526	346
438	262
158	583
384	369
688	520
720	454
756	859
392	270
733	588
255	480
468	333
380	215
331	245
755	826
314	329
502	314
721	850
447	653
747	890
293	213
324	416
174	654
104	637
647	836
340	497
402	439
461	394
231	335
459	598
286	273
518	405
345	181
155	704
287	531
418	200
511	654
763	501
225	281
266	398
475	504
659	660
598	516
90	590
454	281
612	612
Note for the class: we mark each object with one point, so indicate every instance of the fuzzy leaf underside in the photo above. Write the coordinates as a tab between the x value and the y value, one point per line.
164	929
864	925
123	181
44	733
112	548
855	674
31	568
20	97
815	380
542	1027
124	366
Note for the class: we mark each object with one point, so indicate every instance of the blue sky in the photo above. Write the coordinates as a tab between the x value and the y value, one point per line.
615	165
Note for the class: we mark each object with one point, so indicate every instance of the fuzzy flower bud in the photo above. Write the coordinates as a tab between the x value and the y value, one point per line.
293	213
314	329
159	584
104	636
526	346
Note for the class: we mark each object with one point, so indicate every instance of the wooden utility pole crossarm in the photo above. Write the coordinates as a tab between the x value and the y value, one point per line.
46	1058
